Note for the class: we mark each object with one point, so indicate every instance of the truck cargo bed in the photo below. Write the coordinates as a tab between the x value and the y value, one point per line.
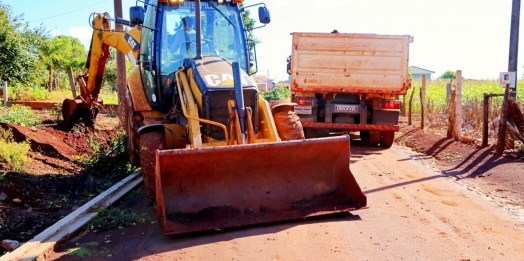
350	63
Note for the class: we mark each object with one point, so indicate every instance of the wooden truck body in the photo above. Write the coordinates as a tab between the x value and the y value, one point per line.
349	82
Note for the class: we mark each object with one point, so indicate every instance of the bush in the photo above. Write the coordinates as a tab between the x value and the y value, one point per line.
19	114
12	153
19	92
278	93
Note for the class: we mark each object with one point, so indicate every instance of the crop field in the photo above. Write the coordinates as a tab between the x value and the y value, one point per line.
436	105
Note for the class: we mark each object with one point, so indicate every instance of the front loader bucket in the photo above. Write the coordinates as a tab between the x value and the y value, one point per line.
219	187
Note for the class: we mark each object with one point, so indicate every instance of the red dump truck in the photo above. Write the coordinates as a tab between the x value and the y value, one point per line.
345	83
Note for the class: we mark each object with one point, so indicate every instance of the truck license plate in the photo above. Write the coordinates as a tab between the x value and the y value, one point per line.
306	119
347	108
303	110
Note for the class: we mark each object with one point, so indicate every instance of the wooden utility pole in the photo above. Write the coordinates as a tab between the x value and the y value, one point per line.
422	101
514	42
121	71
458	106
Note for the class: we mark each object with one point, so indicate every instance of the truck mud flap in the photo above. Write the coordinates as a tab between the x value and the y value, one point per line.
219	187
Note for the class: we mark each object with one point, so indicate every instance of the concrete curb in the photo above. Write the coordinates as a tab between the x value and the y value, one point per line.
44	243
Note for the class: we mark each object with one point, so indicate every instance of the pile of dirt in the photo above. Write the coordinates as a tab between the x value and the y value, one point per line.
59	179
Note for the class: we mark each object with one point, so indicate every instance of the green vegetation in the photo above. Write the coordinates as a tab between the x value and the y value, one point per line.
448	75
19	48
29	55
111	168
12	153
278	93
116	218
472	90
19	114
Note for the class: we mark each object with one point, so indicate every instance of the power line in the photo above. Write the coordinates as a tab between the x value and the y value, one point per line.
67	12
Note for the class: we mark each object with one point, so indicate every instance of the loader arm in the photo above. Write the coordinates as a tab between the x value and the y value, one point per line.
126	42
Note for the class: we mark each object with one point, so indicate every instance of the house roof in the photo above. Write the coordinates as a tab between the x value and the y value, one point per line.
418	70
262	79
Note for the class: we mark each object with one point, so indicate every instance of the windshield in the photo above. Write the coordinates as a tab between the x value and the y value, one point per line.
222	34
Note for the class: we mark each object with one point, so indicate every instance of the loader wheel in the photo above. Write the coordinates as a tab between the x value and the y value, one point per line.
387	139
149	143
135	120
288	125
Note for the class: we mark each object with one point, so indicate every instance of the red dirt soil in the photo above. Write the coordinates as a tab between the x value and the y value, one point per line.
49	189
54	183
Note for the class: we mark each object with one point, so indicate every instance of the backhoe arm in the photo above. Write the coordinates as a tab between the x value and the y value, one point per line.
85	106
127	43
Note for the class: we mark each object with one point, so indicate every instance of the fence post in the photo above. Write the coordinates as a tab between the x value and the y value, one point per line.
422	101
486	121
448	92
501	138
458	106
410	105
5	93
71	81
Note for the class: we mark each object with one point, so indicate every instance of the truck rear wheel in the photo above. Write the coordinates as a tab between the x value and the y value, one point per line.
374	138
135	120
149	143
387	139
364	136
288	125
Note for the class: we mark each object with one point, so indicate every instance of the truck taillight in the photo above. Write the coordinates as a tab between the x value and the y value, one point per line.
304	101
389	104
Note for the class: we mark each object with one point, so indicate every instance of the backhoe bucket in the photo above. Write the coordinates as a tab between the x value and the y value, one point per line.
219	187
76	109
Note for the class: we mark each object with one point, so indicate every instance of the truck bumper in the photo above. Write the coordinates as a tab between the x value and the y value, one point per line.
341	126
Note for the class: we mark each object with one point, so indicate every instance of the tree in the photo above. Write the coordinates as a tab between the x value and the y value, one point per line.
19	45
64	51
252	39
448	75
110	71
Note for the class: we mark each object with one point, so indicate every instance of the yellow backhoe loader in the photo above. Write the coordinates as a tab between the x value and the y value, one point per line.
213	153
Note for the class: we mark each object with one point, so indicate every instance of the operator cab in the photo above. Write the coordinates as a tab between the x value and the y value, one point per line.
222	34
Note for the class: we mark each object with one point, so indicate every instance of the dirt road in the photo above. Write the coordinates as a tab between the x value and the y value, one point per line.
414	213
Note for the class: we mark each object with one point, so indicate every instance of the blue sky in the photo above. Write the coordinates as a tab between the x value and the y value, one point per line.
467	35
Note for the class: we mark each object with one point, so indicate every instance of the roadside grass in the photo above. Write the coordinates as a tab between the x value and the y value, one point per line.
107	96
12	153
89	250
18	92
19	114
111	218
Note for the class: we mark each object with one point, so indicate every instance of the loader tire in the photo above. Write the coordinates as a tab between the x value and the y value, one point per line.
134	122
149	143
387	139
288	125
